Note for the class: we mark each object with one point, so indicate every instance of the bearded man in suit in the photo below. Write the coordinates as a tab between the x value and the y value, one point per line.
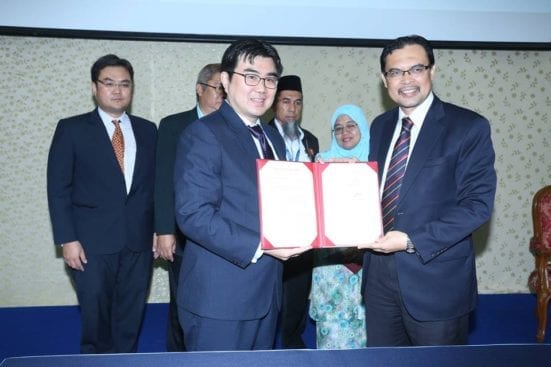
302	146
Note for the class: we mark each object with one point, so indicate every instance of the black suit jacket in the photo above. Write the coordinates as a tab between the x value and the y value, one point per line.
170	129
447	193
86	189
217	208
310	142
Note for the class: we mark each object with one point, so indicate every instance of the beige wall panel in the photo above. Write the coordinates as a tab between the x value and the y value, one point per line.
45	79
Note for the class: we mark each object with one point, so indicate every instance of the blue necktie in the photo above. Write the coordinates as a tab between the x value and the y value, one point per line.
395	174
258	133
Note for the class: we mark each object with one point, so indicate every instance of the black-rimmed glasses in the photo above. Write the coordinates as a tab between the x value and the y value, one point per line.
217	88
253	80
110	84
414	71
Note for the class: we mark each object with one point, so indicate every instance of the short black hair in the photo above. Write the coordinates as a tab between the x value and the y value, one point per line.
110	60
249	49
404	41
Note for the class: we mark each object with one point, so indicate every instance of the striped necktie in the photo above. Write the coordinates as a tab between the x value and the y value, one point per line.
118	143
258	133
395	174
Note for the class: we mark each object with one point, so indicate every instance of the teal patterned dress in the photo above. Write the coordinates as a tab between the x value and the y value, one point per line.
336	303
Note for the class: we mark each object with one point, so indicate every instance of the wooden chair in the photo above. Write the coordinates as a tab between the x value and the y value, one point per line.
540	245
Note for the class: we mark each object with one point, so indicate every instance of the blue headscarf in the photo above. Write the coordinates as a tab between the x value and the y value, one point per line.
361	150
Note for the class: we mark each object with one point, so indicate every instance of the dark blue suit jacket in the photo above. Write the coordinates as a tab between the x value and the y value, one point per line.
447	193
170	129
217	209
86	190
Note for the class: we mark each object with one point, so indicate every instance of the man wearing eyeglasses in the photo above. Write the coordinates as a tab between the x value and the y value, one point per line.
229	291
438	185
301	146
170	241
101	167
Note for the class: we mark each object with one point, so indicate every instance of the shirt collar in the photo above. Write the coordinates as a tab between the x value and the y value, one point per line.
244	120
199	112
419	114
106	118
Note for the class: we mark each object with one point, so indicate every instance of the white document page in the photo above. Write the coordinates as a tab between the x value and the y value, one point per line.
287	202
351	204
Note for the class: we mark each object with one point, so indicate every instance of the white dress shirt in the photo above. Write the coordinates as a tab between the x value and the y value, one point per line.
129	142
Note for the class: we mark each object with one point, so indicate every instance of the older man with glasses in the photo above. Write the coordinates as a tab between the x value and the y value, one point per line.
170	241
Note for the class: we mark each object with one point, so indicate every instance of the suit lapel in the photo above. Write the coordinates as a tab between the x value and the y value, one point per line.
429	136
280	149
105	148
100	134
388	127
140	144
240	134
307	148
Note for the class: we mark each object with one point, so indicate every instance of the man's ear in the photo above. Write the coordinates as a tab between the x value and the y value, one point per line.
94	89
384	80
225	79
199	89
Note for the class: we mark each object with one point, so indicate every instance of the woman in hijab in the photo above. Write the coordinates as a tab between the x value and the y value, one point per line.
336	301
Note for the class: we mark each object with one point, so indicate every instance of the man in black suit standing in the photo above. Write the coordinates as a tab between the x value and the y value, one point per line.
436	170
100	194
300	145
170	240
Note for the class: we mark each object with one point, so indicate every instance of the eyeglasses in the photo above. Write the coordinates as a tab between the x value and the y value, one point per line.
414	71
349	127
109	84
217	88
252	80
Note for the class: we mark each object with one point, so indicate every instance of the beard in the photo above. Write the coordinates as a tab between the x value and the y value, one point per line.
290	130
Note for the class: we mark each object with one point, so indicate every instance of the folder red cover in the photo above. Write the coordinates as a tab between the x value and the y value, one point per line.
304	204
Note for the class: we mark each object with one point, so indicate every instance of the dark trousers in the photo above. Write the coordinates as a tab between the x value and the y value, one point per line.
112	292
205	334
388	323
297	281
174	335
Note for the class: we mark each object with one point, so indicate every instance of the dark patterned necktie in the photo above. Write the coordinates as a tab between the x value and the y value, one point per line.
258	133
118	144
395	174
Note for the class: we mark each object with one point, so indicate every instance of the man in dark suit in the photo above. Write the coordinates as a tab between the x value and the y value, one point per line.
170	240
229	291
302	146
101	167
420	278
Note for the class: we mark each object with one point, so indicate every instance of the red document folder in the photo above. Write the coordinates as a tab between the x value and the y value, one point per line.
317	205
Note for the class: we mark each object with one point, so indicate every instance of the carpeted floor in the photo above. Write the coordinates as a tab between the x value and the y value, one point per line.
499	319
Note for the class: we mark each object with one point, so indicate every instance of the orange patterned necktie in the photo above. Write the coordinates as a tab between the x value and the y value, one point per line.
118	143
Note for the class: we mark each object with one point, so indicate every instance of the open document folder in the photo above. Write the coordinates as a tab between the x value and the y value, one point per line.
305	204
